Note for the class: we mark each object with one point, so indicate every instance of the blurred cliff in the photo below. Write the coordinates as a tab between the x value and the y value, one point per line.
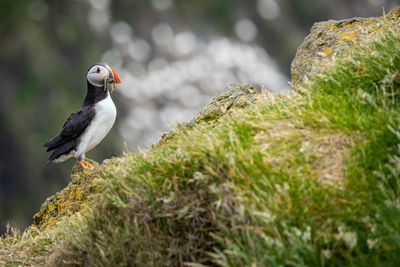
172	57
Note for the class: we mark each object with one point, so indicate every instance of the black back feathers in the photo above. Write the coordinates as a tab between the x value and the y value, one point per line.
66	140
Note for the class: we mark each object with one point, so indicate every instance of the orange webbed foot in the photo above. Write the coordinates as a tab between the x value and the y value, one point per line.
85	165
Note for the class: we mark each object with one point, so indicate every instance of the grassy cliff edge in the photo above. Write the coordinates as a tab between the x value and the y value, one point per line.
310	178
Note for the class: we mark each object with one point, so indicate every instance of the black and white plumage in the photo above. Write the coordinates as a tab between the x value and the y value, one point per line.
85	128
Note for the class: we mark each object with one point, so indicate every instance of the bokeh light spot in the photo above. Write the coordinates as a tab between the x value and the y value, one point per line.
246	30
99	4
112	57
268	9
162	34
139	50
37	10
161	4
185	43
121	32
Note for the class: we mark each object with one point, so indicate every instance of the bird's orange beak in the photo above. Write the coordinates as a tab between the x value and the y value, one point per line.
116	77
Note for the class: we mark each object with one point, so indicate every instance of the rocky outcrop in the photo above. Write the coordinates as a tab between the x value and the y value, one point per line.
68	201
232	96
330	38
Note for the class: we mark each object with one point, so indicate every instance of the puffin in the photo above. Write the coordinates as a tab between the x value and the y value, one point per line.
87	127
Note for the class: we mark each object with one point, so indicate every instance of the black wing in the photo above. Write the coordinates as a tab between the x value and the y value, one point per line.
74	126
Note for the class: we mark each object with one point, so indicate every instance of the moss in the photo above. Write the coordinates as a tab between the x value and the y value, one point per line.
65	203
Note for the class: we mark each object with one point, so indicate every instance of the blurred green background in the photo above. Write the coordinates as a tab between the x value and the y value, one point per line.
162	50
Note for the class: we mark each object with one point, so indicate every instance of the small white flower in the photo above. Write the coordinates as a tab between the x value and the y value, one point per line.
371	243
326	254
350	239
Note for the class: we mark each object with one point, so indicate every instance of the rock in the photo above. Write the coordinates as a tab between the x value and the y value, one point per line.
232	96
66	202
331	38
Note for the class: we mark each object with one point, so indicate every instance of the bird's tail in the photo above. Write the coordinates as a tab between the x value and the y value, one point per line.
61	150
54	143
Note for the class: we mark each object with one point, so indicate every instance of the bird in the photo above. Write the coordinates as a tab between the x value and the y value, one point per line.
87	127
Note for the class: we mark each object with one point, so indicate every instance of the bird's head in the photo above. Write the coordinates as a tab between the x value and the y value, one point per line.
100	74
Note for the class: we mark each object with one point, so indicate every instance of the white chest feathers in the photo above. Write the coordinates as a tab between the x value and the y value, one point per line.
101	124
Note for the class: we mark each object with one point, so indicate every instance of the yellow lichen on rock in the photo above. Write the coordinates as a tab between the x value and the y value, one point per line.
395	13
327	51
335	37
67	202
350	36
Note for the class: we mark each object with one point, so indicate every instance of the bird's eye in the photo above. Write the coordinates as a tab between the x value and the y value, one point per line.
98	70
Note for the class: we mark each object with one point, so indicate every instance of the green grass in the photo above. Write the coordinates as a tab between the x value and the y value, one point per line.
307	179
